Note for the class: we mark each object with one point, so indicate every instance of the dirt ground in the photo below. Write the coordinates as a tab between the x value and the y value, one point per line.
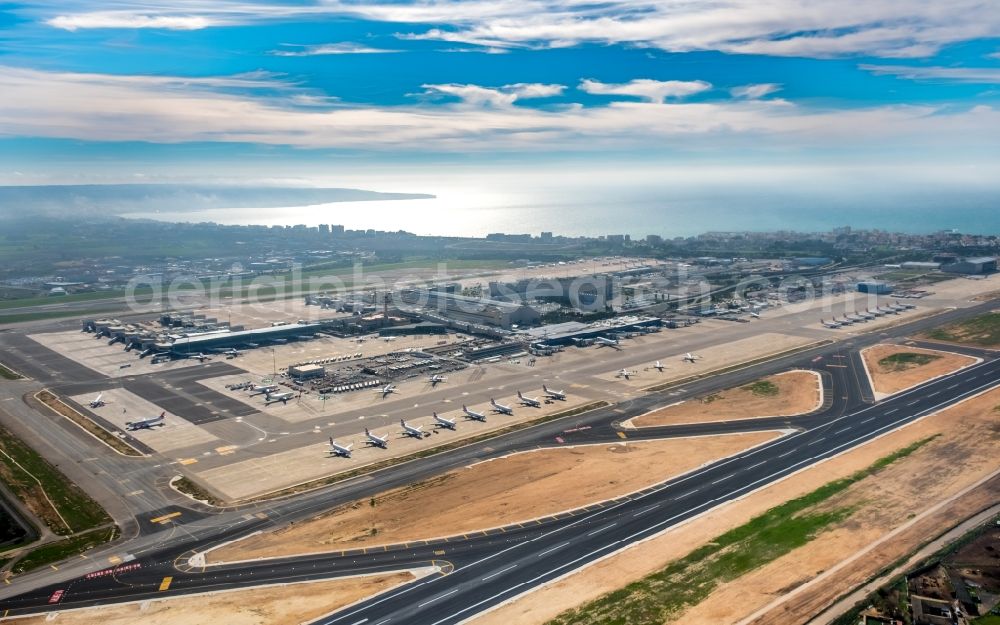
960	456
890	379
494	493
798	392
290	604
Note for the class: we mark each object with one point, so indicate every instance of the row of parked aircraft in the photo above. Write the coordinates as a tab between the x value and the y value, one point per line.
416	431
867	315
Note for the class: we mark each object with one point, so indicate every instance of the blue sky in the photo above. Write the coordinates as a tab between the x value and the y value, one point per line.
239	87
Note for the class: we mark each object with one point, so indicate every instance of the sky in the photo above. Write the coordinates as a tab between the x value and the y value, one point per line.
381	94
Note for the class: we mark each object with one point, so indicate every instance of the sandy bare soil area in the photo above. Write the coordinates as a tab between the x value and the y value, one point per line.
883	503
784	394
498	492
958	457
290	604
894	368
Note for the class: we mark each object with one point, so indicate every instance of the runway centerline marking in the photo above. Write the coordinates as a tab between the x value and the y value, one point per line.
442	596
500	572
548	551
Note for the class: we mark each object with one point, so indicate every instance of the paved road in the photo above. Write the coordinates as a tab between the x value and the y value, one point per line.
493	566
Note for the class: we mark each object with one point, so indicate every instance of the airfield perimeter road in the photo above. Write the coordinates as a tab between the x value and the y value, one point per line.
487	568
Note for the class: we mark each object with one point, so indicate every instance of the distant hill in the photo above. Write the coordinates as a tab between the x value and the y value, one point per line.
122	198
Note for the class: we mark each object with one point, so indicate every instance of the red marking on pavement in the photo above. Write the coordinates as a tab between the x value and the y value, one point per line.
56	596
113	570
559	439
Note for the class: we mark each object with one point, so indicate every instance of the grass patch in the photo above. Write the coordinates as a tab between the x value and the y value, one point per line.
982	330
43	489
65	548
7	374
906	360
56	405
689	580
989	619
762	388
193	490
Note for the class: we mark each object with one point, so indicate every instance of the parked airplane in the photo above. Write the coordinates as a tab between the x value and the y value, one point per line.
386	390
906	305
846	321
528	401
232	352
200	357
282	397
606	342
436	379
478	416
625	373
755	315
876	312
263	390
146	424
553	394
444	423
689	357
340	450
659	366
377	441
409	430
867	316
830	324
98	401
507	410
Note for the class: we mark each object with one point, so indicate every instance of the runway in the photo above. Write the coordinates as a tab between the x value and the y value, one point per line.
488	568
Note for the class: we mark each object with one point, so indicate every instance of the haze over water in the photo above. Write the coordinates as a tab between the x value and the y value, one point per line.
668	210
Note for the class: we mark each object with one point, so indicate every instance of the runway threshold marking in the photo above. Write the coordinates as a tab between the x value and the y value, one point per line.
165	584
187	461
439	552
622	435
165	517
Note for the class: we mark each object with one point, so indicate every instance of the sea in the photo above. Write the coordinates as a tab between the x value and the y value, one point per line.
665	210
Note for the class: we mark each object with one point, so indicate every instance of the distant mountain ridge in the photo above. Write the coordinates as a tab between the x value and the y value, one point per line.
122	198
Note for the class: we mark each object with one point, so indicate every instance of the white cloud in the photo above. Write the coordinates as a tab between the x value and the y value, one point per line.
331	48
649	90
487	96
979	75
755	92
887	28
264	109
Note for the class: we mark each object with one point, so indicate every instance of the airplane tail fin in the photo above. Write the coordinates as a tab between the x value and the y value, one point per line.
367	433
519	395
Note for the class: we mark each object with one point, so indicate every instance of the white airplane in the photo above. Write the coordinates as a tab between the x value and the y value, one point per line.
855	317
436	379
263	390
887	311
689	357
830	324
867	316
442	422
606	342
846	321
275	398
232	352
755	315
528	401
377	441
386	390
553	394
906	305
340	450
507	410
409	430
625	373
200	357
146	424
478	416
659	366
98	401
876	312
